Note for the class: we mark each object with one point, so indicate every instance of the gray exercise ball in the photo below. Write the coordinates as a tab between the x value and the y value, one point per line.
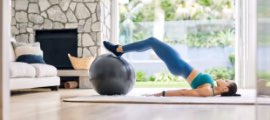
111	75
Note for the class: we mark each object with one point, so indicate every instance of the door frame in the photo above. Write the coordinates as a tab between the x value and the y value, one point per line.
5	19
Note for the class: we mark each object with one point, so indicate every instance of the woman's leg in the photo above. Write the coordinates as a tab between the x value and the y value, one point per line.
167	54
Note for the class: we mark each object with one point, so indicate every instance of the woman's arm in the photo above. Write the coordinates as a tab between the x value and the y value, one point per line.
185	92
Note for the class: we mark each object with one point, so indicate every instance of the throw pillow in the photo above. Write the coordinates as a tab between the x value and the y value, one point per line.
28	52
83	63
30	59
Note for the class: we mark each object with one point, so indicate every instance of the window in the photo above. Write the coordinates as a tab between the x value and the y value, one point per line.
263	48
202	31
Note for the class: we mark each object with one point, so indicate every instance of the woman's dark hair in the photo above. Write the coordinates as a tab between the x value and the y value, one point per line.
232	90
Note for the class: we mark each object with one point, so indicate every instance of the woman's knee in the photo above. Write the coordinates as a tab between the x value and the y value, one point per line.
152	39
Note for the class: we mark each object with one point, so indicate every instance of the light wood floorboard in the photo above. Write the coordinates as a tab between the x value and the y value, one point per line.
47	105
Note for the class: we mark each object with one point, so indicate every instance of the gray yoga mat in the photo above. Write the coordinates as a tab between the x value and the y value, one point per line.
248	97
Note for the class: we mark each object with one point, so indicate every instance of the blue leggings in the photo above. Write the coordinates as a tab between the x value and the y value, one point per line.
171	58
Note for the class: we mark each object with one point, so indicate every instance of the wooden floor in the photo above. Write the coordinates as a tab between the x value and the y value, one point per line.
47	105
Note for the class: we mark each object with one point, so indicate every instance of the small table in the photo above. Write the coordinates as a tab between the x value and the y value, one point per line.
84	82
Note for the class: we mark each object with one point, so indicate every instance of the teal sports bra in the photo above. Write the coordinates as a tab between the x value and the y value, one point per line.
201	79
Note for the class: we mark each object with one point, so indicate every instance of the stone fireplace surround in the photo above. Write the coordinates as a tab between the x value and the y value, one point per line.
92	18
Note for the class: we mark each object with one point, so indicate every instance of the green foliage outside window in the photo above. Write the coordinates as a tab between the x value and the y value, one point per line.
222	38
204	2
168	6
210	39
216	73
263	75
139	11
159	77
221	73
232	59
141	76
145	16
166	77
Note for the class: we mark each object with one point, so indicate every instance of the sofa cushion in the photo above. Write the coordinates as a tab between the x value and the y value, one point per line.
20	44
21	70
44	70
28	52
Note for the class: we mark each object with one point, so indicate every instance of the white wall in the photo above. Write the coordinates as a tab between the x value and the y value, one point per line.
4	78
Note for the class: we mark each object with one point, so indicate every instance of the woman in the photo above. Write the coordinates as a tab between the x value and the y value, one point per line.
202	84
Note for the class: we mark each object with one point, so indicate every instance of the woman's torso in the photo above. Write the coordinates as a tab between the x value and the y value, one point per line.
202	79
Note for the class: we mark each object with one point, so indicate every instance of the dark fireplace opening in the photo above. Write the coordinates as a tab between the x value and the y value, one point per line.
56	44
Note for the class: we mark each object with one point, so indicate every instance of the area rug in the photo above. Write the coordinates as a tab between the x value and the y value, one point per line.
247	98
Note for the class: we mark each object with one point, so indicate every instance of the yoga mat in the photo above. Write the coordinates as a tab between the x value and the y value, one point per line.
246	99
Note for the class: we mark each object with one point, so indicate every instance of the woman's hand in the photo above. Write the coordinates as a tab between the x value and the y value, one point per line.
156	95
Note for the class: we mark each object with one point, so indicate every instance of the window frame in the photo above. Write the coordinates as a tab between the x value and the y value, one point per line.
246	42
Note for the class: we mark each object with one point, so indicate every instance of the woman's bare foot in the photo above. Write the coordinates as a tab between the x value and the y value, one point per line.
113	48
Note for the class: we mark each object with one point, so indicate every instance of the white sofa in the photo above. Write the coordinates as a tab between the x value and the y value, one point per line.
23	75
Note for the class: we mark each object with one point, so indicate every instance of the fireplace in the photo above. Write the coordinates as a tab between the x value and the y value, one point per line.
56	44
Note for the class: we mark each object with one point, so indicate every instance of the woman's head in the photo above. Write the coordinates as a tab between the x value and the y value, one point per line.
228	87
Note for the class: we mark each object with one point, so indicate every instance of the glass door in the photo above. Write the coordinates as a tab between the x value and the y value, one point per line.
263	48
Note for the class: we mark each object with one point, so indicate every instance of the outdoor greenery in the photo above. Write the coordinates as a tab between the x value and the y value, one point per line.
210	39
140	33
232	59
158	77
263	38
263	9
263	75
263	16
141	76
149	84
216	73
168	6
205	2
199	38
162	79
145	16
139	10
165	79
221	73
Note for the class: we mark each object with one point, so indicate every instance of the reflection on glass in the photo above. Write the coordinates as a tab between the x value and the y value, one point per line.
263	48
